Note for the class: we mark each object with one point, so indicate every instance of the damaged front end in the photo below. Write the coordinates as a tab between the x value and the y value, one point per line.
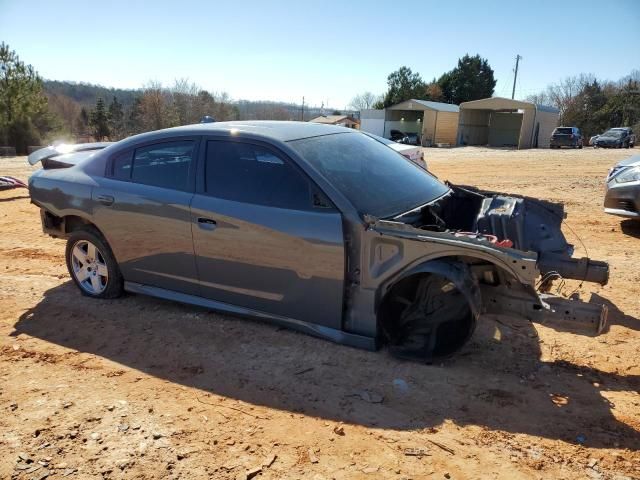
498	254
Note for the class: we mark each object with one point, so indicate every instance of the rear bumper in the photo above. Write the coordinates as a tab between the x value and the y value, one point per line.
561	142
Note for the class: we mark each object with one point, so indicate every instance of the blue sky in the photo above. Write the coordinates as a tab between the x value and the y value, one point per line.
325	50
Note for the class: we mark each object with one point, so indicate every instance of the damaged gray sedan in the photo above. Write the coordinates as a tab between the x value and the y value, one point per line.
317	228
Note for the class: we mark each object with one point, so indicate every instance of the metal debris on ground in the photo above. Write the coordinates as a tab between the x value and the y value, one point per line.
7	182
416	452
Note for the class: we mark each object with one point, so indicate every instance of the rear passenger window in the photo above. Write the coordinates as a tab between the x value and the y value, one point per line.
121	166
164	165
253	174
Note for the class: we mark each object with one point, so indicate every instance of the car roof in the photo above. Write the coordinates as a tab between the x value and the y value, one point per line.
283	131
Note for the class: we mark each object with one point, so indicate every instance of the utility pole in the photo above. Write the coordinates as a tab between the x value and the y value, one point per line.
515	76
302	119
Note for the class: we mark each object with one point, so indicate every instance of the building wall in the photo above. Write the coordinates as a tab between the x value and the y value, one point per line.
429	128
548	121
473	127
347	123
446	127
505	129
527	129
372	121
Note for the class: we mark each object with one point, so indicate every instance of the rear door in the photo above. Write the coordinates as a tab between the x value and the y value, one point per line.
143	208
265	237
563	136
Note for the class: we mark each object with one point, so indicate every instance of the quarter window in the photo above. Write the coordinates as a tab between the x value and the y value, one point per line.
121	166
253	174
164	165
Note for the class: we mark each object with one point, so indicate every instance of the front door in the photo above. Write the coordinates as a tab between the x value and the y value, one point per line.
143	208
261	241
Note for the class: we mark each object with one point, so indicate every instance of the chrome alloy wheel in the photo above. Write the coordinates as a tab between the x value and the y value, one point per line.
89	267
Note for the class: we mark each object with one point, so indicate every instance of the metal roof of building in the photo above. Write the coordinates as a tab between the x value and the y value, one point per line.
501	103
332	119
414	104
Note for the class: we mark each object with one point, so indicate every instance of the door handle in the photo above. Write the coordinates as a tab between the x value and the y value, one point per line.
207	223
106	199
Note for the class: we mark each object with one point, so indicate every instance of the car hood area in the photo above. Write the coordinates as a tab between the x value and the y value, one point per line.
506	222
632	161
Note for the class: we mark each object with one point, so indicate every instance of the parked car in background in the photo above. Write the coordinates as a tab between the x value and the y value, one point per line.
313	227
409	138
396	135
413	153
566	137
623	189
622	137
592	140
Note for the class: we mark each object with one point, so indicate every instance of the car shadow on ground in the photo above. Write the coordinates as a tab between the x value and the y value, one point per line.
631	227
496	382
10	199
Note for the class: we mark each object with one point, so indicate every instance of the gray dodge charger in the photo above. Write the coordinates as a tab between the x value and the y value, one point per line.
313	227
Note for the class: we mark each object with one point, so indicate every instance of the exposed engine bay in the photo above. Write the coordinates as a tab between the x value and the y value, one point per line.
521	223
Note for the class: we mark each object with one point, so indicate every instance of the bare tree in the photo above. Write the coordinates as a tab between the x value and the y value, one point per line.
66	109
156	108
184	95
363	101
562	94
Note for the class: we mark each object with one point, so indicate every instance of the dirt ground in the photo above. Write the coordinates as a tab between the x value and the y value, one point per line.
140	388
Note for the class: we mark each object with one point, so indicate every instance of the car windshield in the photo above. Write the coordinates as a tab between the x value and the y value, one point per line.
613	133
374	178
566	131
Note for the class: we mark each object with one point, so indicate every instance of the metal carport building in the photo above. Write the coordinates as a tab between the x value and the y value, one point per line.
502	122
435	122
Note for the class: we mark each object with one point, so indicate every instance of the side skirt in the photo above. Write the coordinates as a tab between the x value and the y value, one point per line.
326	333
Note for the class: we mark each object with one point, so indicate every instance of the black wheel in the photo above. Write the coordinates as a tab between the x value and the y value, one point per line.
627	145
92	265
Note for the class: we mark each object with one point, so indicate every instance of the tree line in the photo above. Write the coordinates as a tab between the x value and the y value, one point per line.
34	111
471	79
584	101
594	105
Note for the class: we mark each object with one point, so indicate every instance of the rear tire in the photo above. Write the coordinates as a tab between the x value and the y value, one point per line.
92	265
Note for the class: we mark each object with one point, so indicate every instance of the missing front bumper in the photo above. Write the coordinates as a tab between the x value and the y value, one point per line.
559	313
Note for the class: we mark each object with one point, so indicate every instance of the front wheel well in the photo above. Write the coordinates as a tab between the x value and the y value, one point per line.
430	311
429	314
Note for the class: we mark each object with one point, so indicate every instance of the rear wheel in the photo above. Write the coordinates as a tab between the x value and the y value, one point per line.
92	265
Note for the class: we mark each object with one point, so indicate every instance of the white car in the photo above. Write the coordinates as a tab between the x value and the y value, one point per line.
412	152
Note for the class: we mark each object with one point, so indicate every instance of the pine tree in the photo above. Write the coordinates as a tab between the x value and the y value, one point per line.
403	85
116	119
472	79
99	121
24	117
